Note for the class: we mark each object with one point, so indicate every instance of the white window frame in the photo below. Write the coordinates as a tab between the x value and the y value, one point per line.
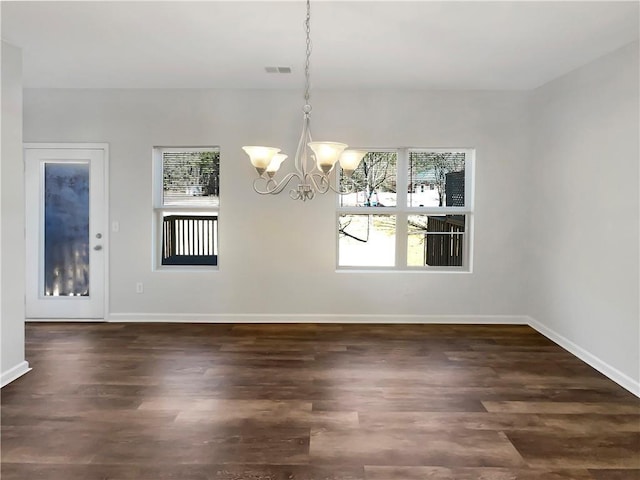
159	210
402	211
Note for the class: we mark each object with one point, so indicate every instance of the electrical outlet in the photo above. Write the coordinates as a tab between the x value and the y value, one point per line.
139	287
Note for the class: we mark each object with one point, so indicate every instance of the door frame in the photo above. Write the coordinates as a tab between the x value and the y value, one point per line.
105	227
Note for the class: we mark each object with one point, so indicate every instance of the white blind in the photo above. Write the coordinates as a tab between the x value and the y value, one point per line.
191	178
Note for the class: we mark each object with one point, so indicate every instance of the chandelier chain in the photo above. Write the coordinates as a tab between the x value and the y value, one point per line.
307	81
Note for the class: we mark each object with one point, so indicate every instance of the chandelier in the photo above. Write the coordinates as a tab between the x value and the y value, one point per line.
314	161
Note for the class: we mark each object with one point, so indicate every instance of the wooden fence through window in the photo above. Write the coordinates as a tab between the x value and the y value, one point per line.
444	242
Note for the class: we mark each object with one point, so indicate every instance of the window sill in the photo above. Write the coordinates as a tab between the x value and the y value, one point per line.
401	270
186	268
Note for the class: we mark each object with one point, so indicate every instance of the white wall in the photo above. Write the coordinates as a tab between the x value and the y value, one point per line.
12	251
277	256
583	236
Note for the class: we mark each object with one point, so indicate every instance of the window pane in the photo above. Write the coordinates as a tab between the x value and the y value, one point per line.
435	240
66	229
189	239
190	178
373	182
436	179
367	240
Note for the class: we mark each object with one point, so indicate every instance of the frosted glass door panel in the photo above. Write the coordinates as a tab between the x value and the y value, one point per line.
66	236
66	229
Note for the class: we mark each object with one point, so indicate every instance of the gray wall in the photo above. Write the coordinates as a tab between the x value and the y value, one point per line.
277	256
583	236
12	219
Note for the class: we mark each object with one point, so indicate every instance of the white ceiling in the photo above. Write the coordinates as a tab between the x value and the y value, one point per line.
357	44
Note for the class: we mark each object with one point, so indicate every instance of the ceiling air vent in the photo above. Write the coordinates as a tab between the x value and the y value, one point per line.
278	69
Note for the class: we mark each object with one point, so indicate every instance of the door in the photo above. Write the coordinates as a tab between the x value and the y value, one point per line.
65	188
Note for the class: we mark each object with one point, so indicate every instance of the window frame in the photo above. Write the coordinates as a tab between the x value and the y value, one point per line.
159	209
402	212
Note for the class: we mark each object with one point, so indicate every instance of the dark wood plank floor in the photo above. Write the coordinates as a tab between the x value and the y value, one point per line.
312	402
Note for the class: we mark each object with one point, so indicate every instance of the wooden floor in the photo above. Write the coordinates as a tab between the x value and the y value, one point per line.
321	402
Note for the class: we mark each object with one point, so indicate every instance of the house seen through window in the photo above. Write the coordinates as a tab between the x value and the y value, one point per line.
187	202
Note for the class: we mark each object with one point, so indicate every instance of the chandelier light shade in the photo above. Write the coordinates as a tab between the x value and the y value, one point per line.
350	159
275	163
314	161
327	154
261	157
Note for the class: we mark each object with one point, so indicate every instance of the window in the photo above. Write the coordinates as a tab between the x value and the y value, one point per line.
186	206
411	209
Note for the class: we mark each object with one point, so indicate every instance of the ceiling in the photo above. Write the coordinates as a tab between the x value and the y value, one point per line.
356	44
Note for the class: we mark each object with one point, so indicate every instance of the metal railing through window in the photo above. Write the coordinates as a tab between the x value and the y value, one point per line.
189	240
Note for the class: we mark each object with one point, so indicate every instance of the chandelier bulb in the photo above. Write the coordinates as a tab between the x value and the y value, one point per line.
307	108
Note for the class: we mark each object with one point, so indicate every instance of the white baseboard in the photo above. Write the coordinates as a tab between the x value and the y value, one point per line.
63	320
317	318
14	373
603	367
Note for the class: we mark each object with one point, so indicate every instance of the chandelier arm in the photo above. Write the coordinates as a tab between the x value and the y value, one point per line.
324	183
273	187
310	162
301	151
349	187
